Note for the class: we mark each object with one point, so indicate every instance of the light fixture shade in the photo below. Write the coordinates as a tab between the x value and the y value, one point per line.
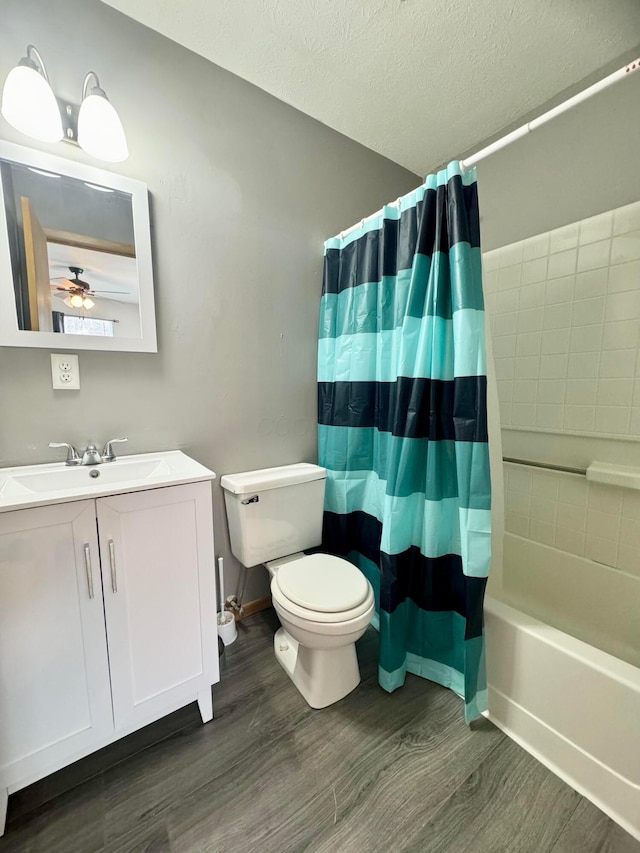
29	105
76	300
100	130
87	302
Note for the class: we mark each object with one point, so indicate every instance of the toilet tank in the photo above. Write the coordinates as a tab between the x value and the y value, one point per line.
274	512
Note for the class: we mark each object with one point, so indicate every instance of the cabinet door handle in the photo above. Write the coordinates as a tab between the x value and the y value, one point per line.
87	563
112	560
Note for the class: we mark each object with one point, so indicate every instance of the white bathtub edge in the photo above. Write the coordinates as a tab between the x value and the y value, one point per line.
604	662
611	792
579	770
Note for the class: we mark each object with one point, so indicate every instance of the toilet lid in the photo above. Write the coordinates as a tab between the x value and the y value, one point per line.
324	583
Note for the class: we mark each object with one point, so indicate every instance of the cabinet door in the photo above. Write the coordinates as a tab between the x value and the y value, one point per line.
55	699
159	590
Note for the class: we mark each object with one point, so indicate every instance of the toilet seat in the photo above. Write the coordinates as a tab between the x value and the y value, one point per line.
322	582
322	588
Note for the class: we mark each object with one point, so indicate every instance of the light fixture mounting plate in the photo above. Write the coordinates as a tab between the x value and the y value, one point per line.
69	114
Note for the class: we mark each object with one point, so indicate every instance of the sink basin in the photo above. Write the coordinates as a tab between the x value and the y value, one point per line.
35	485
83	475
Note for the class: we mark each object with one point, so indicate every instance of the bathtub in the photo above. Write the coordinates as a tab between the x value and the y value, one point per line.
573	706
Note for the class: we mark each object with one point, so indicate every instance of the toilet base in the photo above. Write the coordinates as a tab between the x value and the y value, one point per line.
323	676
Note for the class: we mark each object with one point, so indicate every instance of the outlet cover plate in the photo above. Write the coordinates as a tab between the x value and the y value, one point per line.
65	371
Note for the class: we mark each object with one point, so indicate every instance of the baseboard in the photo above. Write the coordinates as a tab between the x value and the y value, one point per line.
615	796
256	606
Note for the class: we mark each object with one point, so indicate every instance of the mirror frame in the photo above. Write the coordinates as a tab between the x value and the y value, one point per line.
10	334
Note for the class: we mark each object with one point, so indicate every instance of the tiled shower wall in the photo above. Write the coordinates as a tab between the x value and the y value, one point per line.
567	512
564	309
565	316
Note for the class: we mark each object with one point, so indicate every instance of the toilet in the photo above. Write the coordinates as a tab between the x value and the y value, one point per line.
324	603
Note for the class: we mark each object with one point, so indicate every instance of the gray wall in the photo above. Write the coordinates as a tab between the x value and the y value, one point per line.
244	190
582	163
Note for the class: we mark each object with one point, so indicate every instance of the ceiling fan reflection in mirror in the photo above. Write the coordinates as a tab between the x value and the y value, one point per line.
77	293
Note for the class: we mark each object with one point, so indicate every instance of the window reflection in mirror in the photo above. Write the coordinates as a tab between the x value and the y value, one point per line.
73	254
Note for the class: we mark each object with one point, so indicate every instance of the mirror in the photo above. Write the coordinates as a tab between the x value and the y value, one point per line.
75	256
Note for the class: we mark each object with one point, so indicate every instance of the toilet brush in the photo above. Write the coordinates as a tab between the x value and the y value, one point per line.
227	630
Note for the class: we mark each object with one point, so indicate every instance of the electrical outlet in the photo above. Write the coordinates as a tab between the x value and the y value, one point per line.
65	371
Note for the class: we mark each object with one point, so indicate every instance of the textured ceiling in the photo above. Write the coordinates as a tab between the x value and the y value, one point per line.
420	81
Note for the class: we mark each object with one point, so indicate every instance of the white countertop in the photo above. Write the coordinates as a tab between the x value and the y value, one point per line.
41	485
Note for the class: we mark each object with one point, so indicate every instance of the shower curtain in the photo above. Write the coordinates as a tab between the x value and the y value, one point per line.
403	429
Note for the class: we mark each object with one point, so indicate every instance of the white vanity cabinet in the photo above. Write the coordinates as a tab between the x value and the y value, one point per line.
107	622
156	552
55	699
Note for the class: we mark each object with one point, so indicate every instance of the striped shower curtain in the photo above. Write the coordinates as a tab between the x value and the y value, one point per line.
403	429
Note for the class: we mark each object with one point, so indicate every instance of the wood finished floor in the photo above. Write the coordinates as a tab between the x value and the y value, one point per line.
376	772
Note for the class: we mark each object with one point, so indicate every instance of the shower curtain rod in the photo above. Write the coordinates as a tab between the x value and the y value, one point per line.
525	129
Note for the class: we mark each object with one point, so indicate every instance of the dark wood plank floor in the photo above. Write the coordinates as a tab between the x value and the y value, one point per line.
376	772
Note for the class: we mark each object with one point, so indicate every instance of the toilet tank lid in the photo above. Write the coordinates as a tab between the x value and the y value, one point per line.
271	478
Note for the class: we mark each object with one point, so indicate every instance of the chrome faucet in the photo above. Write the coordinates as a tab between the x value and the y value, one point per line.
91	455
107	452
73	457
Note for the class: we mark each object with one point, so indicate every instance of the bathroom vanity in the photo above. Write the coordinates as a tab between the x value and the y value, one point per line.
107	606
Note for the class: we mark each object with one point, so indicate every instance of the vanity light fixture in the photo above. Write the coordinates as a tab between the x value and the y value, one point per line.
30	105
100	130
28	102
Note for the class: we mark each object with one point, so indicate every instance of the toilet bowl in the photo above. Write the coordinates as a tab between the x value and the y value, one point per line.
325	604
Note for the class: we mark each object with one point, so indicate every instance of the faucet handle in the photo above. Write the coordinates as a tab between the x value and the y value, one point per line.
72	454
107	454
